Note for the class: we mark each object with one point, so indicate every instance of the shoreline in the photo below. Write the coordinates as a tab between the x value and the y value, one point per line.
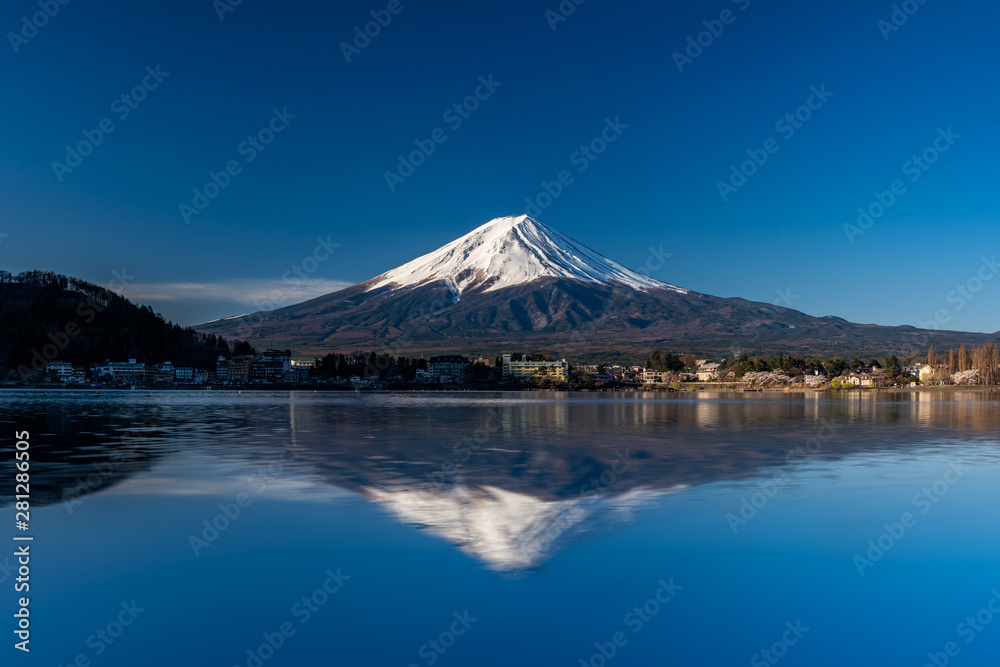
728	388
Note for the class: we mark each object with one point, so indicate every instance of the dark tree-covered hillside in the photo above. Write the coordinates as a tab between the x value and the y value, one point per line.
45	317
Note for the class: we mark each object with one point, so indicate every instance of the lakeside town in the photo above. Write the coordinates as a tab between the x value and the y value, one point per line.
978	366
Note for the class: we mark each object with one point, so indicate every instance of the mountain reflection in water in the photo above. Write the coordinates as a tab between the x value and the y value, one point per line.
508	478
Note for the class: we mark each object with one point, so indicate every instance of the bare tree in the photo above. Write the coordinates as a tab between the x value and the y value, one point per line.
932	357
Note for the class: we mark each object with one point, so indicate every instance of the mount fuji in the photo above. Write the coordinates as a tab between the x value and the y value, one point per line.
515	283
512	251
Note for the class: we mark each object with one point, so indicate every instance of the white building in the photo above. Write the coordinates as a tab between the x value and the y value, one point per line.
447	368
707	372
651	377
59	371
925	372
127	371
532	370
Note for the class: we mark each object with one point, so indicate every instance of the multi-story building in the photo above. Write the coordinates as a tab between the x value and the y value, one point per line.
238	369
708	372
515	368
99	370
59	371
650	376
448	368
271	366
222	370
183	374
302	369
127	372
160	373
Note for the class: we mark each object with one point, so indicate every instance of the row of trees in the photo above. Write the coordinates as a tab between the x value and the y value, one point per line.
367	365
979	364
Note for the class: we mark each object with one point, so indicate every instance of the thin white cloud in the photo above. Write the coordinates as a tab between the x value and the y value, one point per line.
247	291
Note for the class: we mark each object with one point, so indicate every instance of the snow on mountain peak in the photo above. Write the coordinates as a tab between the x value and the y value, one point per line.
511	251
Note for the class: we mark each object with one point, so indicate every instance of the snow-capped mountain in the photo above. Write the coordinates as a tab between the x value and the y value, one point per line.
506	530
511	251
516	284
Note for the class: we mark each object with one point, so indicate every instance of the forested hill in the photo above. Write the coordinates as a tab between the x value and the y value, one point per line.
45	317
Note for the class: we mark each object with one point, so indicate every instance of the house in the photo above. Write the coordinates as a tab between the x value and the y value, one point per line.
516	368
707	372
859	379
926	373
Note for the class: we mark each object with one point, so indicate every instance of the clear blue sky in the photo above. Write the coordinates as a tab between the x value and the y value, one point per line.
655	185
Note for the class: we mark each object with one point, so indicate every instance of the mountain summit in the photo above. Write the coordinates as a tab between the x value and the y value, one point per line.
515	284
511	251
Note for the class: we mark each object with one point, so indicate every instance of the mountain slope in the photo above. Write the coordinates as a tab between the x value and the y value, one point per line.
515	284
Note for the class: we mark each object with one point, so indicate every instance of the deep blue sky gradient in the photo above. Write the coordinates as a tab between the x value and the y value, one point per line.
655	186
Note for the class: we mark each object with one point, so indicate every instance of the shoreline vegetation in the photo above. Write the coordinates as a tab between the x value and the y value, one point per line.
688	388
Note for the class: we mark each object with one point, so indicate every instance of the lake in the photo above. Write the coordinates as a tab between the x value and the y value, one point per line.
444	528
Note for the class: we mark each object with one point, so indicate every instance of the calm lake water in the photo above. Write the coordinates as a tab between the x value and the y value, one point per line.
276	528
